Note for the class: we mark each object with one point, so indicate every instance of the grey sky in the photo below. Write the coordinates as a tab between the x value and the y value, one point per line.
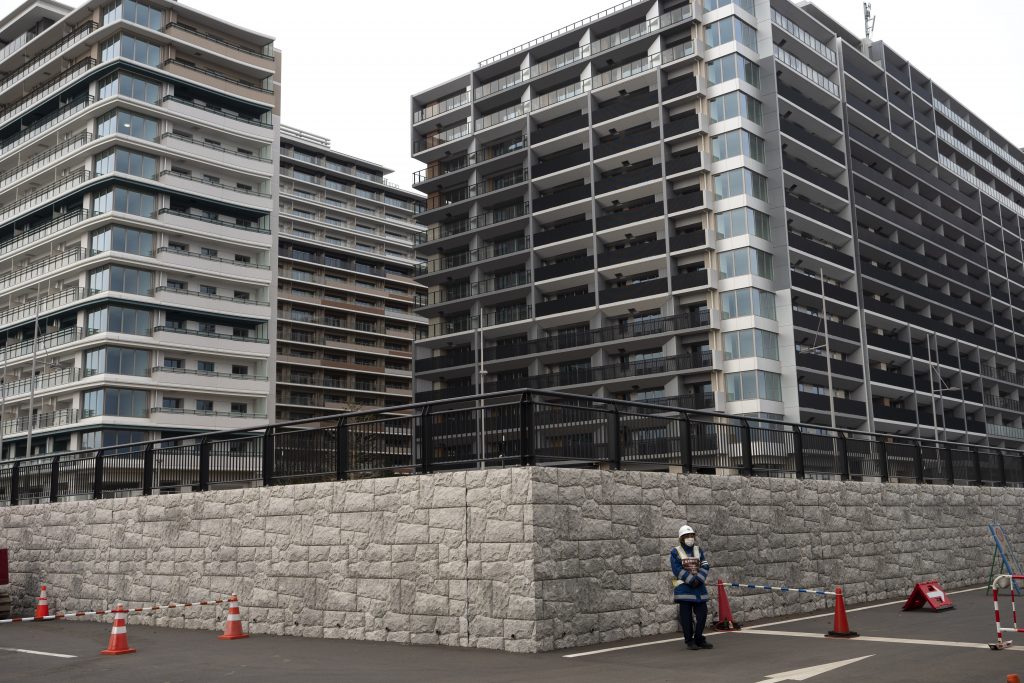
351	65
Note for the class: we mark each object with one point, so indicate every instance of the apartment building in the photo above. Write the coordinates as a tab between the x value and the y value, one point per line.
736	205
136	169
346	295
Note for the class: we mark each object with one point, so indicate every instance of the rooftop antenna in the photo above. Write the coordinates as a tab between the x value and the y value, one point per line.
869	21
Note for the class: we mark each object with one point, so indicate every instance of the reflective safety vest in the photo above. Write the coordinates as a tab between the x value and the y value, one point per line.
683	557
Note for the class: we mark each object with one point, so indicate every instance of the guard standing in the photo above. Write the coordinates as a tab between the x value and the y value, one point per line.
690	572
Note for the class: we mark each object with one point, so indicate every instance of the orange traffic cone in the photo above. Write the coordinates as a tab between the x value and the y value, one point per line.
233	626
1012	678
841	629
118	644
43	606
725	621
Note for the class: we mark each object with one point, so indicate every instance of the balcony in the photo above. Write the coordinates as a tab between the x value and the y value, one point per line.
503	181
442	137
895	379
801	206
827	253
563	232
561	197
817	324
473	289
458	227
253	126
610	372
442	263
507	314
46	304
893	414
628	177
631	253
43	342
446	392
448	360
161	330
467	161
42	125
813	176
688	161
262	57
558	127
823	403
626	141
691	280
187	299
44	90
820	111
46	194
221	155
625	216
688	240
814	286
567	303
684	85
635	291
621	106
813	141
436	109
571	266
226	382
45	157
220	80
233	194
689	201
681	124
40	421
560	162
813	361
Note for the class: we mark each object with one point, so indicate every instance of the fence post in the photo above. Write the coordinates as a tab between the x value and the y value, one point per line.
97	478
883	461
976	456
428	441
919	461
268	456
687	445
204	464
614	439
747	464
844	456
526	456
55	479
798	452
147	471
1002	468
15	473
341	449
950	474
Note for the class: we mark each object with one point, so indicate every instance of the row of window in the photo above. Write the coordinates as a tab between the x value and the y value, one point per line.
728	30
135	12
751	343
742	221
733	65
745	261
733	104
741	181
130	47
753	384
739	303
737	143
710	5
135	403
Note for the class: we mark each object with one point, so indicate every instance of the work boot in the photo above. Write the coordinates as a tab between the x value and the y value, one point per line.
706	646
692	646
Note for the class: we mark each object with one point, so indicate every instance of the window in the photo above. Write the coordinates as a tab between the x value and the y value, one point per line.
177	285
239	370
729	29
733	66
736	143
715	4
240	296
120	238
174	363
129	85
177	246
205	366
126	123
239	408
240	258
743	221
119	319
751	343
753	384
135	12
741	181
130	47
733	104
204	405
208	252
208	328
170	403
207	290
739	303
126	161
125	200
111	437
120	402
745	261
240	332
121	279
117	361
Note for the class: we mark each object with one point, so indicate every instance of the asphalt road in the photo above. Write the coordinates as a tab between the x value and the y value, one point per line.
949	646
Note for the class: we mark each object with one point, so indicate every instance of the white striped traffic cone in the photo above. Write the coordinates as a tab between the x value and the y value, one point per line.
43	606
233	626
118	644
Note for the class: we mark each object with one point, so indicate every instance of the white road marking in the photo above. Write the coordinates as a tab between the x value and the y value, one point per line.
811	671
37	652
877	639
759	626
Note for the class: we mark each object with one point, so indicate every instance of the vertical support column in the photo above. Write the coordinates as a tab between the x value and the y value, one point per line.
341	449
686	444
1002	467
844	456
55	479
426	463
268	456
883	461
526	455
15	475
147	471
204	464
614	440
798	452
97	478
747	464
919	461
950	474
976	461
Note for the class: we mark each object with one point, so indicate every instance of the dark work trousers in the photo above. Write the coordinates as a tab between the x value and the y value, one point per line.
688	612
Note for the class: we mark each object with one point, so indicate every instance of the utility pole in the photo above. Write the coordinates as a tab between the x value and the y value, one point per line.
32	371
828	350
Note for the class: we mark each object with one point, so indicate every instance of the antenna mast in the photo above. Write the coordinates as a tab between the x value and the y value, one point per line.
869	21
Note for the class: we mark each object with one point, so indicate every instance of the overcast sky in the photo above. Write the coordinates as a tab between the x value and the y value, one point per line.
350	66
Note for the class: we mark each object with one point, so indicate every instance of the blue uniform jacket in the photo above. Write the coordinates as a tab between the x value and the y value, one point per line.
691	587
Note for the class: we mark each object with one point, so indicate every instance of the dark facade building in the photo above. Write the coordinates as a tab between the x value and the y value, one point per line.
739	206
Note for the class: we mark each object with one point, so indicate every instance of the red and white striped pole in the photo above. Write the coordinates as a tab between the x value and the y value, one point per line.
999	630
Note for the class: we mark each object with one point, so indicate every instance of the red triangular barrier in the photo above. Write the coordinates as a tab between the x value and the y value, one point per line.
928	593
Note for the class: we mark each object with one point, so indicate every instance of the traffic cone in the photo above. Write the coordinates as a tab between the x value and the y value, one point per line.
43	606
841	629
233	626
118	644
725	621
1012	678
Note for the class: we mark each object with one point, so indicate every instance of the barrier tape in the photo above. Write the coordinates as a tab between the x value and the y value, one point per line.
781	589
1000	643
100	612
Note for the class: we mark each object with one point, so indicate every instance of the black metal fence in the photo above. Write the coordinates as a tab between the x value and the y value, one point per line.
512	428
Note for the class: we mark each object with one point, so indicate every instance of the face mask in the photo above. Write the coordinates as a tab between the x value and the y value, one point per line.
688	542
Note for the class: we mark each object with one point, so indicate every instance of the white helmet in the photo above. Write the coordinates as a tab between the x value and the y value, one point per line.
685	530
